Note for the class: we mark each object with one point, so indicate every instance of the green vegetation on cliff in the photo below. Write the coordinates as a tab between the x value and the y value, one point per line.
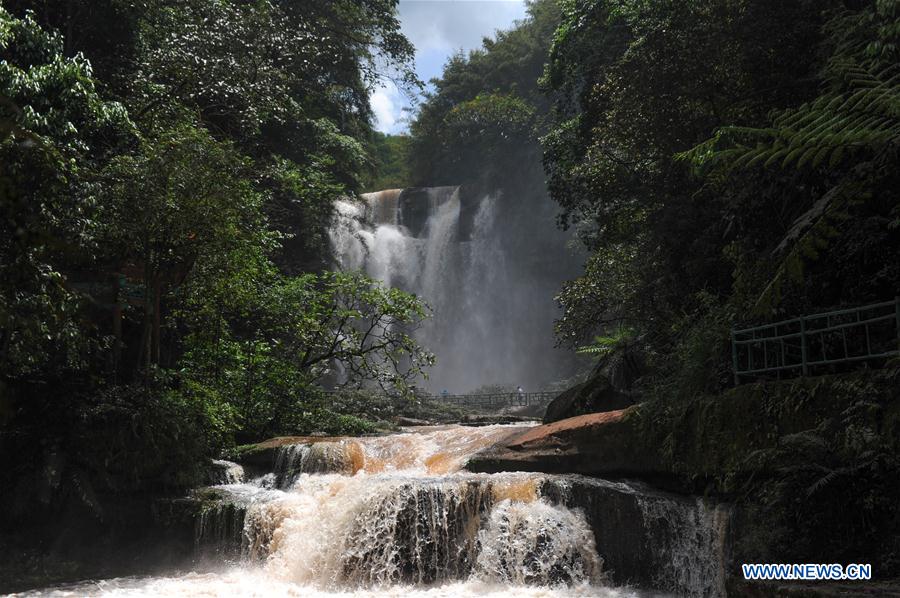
484	118
811	465
722	161
391	162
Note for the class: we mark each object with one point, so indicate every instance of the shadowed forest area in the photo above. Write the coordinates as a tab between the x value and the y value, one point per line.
170	291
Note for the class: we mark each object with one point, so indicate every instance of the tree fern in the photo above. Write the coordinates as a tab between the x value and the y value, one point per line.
604	345
809	235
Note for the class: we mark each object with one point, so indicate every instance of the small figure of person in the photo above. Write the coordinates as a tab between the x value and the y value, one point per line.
521	394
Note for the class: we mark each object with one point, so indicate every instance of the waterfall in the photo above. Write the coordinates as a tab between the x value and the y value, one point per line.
398	510
488	267
357	532
226	472
398	515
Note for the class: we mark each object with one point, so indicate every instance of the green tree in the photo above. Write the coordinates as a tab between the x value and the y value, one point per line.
288	82
180	198
263	345
390	162
48	224
634	84
487	110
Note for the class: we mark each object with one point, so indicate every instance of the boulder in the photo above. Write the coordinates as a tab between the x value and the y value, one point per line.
595	395
610	386
261	456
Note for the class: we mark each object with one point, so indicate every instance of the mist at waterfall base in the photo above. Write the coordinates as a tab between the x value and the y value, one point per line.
397	516
488	266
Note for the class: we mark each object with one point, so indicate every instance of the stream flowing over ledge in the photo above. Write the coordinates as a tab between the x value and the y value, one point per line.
397	515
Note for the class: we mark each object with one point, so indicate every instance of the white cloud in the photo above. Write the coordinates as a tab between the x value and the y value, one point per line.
456	24
386	104
438	29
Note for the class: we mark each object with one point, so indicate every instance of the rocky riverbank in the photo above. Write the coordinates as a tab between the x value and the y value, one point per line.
810	465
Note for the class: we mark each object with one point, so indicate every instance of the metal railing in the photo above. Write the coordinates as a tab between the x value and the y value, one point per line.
801	344
484	400
497	399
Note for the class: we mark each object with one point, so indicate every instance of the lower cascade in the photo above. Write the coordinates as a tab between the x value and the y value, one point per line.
397	516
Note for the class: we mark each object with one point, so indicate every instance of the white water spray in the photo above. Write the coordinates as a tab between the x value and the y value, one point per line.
488	267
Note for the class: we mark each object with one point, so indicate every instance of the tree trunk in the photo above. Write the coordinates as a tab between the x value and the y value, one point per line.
155	336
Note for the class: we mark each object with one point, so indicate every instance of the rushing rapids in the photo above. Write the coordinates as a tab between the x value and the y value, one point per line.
488	266
397	516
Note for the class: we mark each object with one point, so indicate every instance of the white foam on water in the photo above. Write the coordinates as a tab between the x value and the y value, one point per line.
398	516
253	583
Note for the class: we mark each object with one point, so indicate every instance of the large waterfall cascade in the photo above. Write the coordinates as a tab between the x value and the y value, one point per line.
489	268
396	516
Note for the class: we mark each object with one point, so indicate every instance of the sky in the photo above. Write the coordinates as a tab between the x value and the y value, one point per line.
438	28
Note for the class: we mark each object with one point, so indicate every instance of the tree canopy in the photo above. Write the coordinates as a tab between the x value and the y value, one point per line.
167	176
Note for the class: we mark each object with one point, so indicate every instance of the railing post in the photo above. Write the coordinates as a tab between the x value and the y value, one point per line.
804	366
783	357
897	313
750	347
734	358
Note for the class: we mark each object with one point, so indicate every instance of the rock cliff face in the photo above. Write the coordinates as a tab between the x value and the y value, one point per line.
597	444
790	454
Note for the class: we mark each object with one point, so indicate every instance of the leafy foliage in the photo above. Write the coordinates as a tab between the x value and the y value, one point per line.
179	198
55	116
851	131
594	299
163	235
390	168
844	462
262	350
714	181
604	345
